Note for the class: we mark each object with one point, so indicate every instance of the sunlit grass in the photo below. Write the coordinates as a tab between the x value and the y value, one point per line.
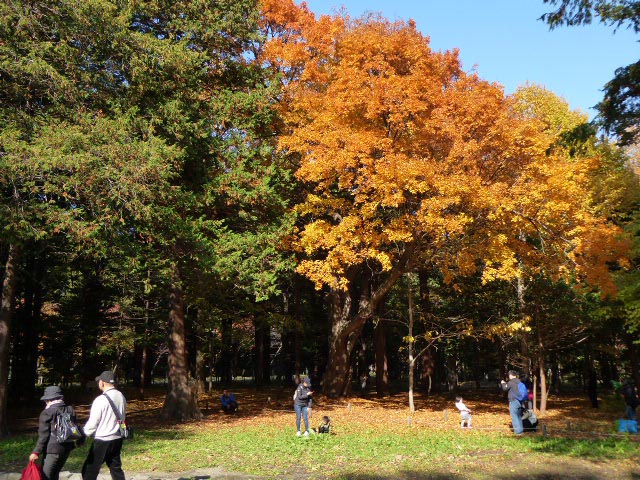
272	451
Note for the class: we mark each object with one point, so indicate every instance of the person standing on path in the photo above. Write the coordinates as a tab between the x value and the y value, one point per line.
104	425
514	403
302	402
55	454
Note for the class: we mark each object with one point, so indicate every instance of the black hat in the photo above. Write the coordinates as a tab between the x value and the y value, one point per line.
52	392
107	376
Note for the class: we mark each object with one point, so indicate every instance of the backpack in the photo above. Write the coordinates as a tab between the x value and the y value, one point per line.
523	393
65	429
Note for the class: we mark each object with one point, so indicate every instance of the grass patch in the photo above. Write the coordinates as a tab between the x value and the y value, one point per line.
274	451
375	438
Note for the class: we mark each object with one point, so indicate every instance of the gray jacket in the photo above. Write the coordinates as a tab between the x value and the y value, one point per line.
512	387
103	423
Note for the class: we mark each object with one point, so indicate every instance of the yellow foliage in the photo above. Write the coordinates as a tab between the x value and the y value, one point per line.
510	329
397	145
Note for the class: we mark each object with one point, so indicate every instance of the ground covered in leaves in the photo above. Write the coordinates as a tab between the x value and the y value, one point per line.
372	438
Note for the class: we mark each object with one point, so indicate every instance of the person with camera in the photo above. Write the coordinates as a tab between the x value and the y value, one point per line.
515	404
302	403
104	425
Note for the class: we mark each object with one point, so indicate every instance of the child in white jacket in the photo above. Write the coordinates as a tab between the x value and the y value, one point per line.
465	413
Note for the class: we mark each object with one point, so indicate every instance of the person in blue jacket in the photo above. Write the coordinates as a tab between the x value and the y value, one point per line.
228	402
302	402
514	403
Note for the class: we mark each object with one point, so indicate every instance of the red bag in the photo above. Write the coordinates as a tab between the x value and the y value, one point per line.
32	472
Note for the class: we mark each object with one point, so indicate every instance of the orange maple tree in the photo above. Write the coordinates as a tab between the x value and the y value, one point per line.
409	159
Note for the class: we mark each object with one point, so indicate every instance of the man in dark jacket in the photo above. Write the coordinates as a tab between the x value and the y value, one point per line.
630	399
54	454
302	402
514	403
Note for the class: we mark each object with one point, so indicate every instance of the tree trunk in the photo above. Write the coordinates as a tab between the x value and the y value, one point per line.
226	355
346	325
524	340
412	361
144	357
431	366
634	362
26	331
201	369
543	385
262	370
382	368
6	312
541	371
92	292
258	350
555	372
266	353
180	404
144	360
335	376
452	372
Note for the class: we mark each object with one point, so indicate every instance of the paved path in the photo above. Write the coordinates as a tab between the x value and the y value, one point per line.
199	474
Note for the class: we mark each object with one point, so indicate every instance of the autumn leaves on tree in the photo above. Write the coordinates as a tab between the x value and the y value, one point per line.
410	161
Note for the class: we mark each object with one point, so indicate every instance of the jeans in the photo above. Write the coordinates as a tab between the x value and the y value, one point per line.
53	463
516	417
103	451
302	410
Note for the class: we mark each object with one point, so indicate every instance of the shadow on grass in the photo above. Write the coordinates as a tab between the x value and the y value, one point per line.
544	474
15	450
592	449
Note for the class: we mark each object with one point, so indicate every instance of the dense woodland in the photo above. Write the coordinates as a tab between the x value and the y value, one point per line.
197	192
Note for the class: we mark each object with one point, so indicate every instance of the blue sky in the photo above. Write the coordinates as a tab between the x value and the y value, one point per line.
506	43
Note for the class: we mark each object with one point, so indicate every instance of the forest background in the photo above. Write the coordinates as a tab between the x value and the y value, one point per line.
204	192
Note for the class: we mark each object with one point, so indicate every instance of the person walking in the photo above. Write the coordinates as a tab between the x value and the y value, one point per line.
54	454
103	424
302	402
515	404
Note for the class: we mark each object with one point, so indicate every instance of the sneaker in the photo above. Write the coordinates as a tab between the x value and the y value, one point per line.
298	433
306	434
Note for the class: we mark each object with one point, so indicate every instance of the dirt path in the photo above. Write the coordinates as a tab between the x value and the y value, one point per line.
482	466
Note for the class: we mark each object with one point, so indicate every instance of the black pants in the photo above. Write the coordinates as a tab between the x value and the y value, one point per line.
230	407
53	463
103	451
